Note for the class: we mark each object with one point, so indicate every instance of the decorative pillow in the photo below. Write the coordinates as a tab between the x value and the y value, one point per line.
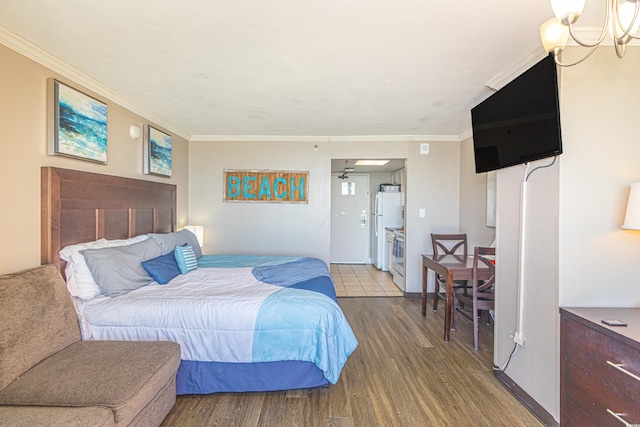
163	268
119	270
168	242
80	282
186	258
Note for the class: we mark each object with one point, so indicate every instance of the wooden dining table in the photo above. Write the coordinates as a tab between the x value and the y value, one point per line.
453	267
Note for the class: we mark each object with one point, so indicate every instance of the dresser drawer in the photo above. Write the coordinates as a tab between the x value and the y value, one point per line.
572	416
591	349
593	396
590	385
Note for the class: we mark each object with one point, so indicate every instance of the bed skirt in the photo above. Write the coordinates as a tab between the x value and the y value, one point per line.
217	377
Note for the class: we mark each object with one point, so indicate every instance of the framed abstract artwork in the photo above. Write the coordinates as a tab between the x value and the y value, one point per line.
77	124
157	152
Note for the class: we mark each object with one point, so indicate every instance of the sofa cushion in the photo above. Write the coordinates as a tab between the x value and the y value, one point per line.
121	375
37	317
60	416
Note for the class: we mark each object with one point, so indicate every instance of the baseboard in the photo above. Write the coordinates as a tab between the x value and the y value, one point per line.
414	295
534	407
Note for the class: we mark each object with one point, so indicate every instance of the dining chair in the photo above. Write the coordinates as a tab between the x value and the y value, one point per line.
482	296
447	244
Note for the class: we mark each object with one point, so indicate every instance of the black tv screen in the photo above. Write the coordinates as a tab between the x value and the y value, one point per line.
520	122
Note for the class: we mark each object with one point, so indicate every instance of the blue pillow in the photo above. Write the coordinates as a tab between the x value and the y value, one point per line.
186	258
162	269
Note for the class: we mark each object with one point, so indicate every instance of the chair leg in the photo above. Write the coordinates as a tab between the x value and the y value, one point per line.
454	320
475	324
435	295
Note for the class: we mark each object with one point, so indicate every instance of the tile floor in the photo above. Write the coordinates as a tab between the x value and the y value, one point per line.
363	280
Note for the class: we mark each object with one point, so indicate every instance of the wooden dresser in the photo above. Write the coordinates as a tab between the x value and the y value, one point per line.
599	367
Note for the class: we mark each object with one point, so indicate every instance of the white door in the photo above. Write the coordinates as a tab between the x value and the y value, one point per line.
350	218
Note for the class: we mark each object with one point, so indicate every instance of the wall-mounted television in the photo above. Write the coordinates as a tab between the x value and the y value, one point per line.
520	122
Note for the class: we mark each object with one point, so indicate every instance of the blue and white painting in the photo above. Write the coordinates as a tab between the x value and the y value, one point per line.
82	125
159	152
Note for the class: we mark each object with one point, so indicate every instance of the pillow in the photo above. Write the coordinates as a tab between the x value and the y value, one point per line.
80	282
163	268
119	270
169	241
186	258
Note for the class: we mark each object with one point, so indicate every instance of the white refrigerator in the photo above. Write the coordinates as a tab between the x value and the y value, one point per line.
387	212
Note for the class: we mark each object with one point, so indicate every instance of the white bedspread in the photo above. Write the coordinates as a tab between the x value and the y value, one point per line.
214	314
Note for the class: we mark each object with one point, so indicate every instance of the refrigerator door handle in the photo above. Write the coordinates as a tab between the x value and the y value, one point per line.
375	225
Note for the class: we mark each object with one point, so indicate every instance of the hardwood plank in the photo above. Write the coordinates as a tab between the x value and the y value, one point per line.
402	373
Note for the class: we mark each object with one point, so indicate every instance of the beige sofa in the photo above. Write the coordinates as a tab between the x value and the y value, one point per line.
49	377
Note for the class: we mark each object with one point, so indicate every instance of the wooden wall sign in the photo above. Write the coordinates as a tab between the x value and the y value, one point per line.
266	186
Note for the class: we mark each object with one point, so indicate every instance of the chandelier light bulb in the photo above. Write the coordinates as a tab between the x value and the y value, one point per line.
553	35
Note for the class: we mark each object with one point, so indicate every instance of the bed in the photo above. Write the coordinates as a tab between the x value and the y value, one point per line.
244	323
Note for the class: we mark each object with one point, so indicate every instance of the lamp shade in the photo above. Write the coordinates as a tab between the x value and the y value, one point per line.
632	217
567	11
198	230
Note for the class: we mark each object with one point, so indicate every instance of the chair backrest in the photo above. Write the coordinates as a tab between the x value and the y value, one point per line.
449	244
483	257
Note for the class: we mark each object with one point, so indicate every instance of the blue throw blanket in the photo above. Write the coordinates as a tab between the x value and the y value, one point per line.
301	321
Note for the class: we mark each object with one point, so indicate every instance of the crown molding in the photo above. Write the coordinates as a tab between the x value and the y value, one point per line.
310	138
31	51
466	135
518	67
591	35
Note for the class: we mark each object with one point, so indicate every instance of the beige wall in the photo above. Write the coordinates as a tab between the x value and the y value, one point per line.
535	366
598	260
577	254
294	229
23	148
473	200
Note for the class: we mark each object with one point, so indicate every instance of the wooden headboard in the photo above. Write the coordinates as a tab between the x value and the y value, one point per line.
81	207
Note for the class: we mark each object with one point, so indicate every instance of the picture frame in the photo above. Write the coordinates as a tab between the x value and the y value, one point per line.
77	124
157	152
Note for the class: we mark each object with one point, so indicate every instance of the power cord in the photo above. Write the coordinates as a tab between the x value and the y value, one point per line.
506	364
539	167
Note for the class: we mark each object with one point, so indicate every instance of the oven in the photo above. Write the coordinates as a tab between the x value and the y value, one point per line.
398	259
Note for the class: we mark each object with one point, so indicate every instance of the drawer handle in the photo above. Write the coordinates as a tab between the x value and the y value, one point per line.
619	418
619	367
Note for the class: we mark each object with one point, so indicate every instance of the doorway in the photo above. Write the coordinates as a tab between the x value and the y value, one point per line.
377	174
350	218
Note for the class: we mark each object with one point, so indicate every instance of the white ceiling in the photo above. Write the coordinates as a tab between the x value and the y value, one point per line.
289	67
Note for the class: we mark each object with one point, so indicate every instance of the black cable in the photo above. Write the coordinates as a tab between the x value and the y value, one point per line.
541	167
504	368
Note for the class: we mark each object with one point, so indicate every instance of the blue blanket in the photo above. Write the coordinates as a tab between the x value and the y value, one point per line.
302	321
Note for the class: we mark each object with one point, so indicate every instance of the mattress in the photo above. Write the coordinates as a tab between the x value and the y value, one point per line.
236	314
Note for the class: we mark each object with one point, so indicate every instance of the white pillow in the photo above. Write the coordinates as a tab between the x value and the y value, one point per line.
80	282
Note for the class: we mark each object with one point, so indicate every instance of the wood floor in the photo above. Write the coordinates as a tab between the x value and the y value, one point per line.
401	374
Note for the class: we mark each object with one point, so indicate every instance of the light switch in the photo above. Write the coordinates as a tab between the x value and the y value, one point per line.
422	213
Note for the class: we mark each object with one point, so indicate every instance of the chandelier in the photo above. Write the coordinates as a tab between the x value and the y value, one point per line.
621	23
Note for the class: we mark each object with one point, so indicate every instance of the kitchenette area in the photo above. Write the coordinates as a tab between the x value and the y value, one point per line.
388	223
394	237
